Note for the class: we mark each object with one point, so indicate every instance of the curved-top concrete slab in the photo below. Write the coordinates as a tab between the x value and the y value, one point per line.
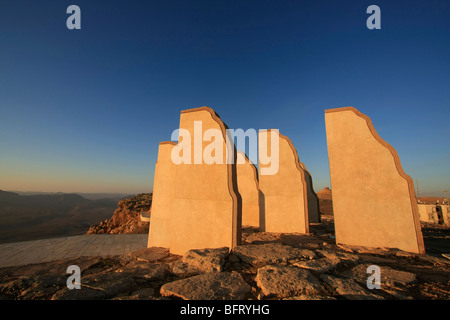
283	195
163	196
248	186
374	202
313	199
206	209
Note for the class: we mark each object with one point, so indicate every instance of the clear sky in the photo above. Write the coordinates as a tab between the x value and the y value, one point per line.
84	110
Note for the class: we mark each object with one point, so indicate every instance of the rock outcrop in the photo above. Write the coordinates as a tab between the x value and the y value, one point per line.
126	218
325	201
284	266
201	261
208	286
286	281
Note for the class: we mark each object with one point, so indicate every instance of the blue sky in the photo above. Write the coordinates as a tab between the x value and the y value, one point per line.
84	110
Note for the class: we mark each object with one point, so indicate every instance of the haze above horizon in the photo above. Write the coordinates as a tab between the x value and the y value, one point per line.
84	110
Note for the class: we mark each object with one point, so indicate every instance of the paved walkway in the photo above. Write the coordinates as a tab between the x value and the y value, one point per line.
37	251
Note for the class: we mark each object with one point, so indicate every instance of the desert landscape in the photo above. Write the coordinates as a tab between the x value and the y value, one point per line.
31	217
266	266
198	247
237	155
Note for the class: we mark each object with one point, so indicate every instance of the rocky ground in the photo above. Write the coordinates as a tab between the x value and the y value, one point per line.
126	218
265	266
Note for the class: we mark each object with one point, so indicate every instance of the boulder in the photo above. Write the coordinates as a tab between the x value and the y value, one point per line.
201	261
348	288
102	286
339	256
206	260
145	271
208	286
285	281
436	261
270	253
151	254
319	265
156	272
389	277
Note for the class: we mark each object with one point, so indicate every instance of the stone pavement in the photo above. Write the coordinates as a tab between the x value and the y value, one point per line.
37	251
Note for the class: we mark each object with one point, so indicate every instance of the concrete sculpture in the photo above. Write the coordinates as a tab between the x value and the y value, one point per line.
248	186
434	213
163	195
204	205
283	195
313	200
374	202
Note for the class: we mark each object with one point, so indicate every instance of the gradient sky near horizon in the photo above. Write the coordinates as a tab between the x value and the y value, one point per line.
84	110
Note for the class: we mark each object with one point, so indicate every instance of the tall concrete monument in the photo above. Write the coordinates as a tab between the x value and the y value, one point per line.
283	192
313	200
248	186
374	202
163	195
203	204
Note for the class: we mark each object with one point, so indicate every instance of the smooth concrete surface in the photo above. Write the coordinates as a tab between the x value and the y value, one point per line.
445	214
374	202
283	196
313	200
248	187
163	196
206	210
38	251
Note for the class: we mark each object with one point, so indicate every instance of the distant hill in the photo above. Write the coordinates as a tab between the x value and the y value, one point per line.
41	216
90	196
325	193
325	201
